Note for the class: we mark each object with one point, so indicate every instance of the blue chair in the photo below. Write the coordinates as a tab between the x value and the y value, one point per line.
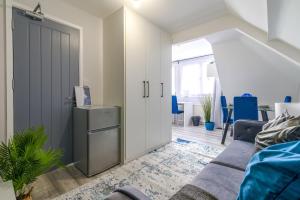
245	108
288	99
225	114
175	110
225	110
247	95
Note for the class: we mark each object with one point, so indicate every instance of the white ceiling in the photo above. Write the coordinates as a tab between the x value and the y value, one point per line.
176	15
100	8
172	15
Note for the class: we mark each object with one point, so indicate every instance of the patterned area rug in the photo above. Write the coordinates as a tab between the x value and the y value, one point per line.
159	174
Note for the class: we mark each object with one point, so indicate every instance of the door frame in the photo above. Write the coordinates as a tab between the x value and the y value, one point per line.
9	60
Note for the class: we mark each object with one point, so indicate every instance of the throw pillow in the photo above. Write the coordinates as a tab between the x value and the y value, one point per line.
278	120
286	131
273	173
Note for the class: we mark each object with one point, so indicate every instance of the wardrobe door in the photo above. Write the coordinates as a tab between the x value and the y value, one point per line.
135	109
166	88
153	95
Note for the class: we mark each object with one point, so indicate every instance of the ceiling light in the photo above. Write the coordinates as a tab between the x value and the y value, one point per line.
136	3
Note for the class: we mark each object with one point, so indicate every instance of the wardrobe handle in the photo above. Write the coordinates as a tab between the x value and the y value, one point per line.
148	84
144	83
162	90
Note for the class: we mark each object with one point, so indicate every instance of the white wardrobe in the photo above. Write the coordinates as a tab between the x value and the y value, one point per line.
137	77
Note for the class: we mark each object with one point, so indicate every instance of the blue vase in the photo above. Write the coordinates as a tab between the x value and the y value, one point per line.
209	126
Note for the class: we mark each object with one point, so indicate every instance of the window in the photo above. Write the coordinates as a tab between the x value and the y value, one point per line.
189	78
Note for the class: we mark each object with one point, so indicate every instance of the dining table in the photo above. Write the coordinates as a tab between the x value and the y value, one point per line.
264	109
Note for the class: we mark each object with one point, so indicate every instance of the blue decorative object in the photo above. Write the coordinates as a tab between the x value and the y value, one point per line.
225	110
247	95
182	141
288	99
210	126
196	120
273	173
245	108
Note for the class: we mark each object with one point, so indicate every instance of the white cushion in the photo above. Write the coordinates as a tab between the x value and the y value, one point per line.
292	108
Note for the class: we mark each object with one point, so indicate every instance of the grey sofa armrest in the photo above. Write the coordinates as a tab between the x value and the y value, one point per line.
246	130
128	192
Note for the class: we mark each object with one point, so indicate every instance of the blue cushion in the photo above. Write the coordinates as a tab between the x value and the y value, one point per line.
273	173
288	99
175	109
247	95
245	108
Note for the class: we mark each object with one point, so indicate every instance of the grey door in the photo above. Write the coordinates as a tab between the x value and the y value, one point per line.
46	69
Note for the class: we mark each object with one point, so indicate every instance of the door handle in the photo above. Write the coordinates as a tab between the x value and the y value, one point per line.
148	87
162	90
144	83
70	100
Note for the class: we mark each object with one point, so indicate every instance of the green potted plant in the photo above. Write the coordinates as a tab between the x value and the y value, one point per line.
206	107
24	158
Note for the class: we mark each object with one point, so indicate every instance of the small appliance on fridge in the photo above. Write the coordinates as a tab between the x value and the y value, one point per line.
96	144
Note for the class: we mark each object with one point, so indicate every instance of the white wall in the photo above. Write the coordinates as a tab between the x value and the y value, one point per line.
92	39
113	65
284	19
113	44
244	65
2	74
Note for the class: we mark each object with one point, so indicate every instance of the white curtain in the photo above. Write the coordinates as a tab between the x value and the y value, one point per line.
218	105
216	111
216	115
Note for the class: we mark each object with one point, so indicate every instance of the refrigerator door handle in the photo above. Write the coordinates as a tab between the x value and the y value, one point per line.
162	90
91	132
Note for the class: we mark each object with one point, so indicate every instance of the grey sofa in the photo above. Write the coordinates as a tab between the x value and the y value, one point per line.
221	178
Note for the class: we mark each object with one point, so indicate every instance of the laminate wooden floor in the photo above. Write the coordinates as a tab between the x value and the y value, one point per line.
62	180
199	133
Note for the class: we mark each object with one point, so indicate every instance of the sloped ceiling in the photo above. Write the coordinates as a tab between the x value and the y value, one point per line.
245	65
254	12
284	19
278	18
